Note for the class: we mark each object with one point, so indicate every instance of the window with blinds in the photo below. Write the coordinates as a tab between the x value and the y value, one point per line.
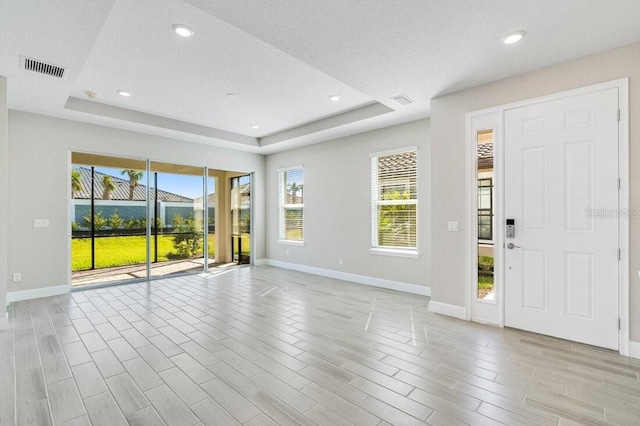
291	204
394	200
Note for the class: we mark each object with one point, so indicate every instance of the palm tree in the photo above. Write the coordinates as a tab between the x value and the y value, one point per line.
293	189
76	182
109	186
134	177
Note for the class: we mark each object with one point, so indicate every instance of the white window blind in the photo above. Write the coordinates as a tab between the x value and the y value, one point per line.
394	200
292	204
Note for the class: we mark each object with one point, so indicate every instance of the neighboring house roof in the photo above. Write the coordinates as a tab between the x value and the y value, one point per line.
485	156
485	150
121	192
397	162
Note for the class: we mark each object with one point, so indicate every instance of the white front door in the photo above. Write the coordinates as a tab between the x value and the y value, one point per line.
561	189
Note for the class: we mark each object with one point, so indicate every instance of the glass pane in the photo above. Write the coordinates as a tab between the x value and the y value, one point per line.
245	206
108	244
394	194
397	176
241	219
211	220
294	186
484	198
397	225
484	231
177	227
292	205
485	261
293	224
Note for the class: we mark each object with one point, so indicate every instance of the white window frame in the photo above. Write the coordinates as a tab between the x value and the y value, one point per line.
410	252
282	206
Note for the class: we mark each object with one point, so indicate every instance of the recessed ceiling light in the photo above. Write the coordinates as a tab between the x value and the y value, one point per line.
182	30
255	126
124	93
513	37
231	95
334	98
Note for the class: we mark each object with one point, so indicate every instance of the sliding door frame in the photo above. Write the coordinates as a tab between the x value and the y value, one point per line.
150	217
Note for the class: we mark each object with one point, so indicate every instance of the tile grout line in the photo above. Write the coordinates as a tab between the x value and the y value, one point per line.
413	330
373	306
86	412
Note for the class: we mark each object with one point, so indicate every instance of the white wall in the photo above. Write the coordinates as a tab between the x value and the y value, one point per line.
448	172
4	205
39	186
337	205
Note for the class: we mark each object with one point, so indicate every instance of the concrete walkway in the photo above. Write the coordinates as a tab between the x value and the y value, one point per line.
129	272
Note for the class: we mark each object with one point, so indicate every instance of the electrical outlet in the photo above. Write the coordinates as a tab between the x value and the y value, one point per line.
287	252
453	227
340	261
17	276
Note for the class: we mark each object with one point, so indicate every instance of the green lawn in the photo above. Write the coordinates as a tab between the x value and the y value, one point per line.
121	251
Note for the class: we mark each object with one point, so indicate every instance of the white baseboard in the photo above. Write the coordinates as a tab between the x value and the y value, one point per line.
354	278
446	309
634	349
36	293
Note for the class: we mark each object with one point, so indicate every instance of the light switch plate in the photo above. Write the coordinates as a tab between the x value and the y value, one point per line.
453	226
40	223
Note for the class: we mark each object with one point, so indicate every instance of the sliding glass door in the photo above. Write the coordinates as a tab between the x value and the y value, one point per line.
139	219
177	227
212	209
108	224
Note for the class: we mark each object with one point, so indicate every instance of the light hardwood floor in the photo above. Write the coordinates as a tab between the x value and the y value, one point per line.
264	346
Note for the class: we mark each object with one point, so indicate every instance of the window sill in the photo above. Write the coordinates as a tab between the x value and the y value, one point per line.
291	242
411	254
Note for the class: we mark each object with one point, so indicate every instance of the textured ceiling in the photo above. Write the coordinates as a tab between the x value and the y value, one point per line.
283	59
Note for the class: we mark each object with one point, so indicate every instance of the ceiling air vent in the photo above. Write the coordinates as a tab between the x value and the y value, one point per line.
402	99
42	67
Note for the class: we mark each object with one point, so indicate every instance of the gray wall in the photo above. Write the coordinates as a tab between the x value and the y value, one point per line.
448	152
39	186
337	205
4	205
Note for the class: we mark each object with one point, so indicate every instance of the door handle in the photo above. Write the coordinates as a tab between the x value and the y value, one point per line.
511	246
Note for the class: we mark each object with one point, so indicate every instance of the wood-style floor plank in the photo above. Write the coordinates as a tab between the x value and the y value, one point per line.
200	350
